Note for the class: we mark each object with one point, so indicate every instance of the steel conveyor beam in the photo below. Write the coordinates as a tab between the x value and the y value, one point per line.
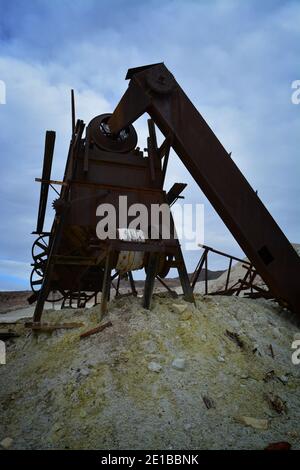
155	90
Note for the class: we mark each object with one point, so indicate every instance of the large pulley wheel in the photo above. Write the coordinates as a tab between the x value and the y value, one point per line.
39	251
36	281
99	132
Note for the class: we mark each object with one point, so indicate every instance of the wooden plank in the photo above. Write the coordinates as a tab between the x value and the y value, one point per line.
37	326
4	335
59	183
95	330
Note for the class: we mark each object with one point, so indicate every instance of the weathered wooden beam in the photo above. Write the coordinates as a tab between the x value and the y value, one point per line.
59	183
37	326
4	335
95	330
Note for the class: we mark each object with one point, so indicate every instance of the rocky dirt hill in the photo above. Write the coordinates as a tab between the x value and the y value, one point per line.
215	375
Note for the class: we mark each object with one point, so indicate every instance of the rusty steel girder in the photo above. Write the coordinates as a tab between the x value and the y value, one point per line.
153	89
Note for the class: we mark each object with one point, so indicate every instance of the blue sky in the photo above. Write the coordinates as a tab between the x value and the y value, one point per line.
236	61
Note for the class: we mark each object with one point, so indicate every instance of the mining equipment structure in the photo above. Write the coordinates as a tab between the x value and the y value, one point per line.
71	263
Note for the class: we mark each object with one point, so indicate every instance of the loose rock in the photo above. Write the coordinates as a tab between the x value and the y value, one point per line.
6	443
255	423
154	367
178	363
179	308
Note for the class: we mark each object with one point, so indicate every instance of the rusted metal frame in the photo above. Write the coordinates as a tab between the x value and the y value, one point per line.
57	227
183	276
206	269
232	288
253	276
67	172
118	285
68	297
150	159
86	150
164	149
227	292
59	183
260	289
73	116
151	271
237	287
198	269
226	255
46	173
93	294
131	106
106	283
166	160
172	292
134	70
43	293
101	257
74	146
80	125
78	296
114	276
243	285
41	234
132	284
244	281
54	189
174	193
262	294
228	274
154	158
109	187
55	236
152	149
142	164
81	299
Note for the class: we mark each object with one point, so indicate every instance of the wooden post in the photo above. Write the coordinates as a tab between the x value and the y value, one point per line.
132	284
106	284
150	279
184	278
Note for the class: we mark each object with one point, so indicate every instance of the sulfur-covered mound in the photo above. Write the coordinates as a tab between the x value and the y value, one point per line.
216	375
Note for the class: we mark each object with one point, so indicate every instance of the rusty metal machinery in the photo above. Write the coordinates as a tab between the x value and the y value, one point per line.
70	262
153	89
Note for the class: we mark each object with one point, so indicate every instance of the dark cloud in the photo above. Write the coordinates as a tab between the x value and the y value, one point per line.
236	60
